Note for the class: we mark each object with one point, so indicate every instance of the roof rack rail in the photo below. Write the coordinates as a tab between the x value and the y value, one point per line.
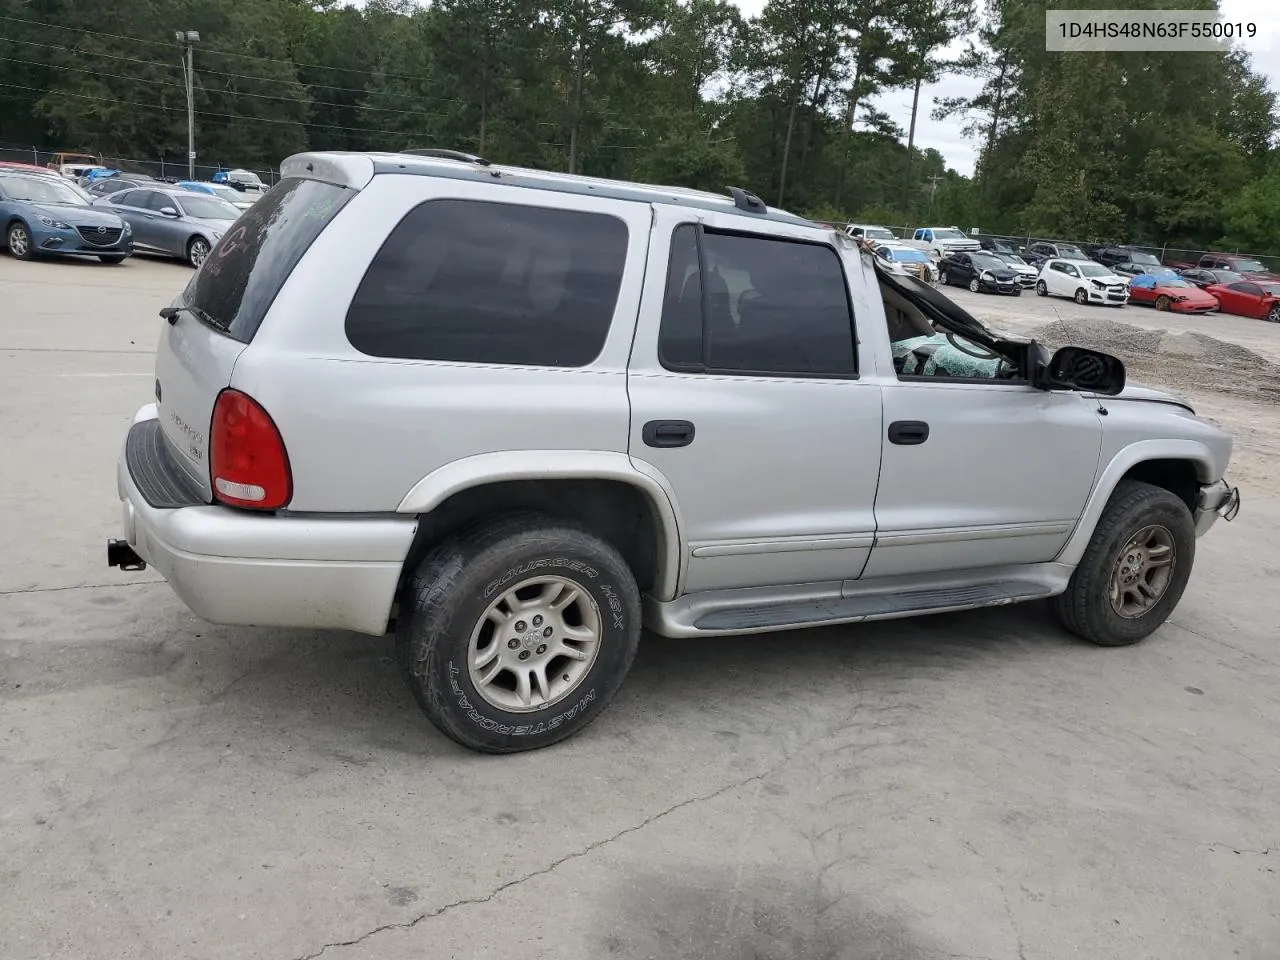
747	201
446	155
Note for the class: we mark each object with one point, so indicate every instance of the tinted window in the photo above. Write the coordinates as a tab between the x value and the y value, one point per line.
772	307
478	282
234	288
130	198
1250	288
158	201
205	207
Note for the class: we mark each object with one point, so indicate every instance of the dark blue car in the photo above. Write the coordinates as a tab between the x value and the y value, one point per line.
41	215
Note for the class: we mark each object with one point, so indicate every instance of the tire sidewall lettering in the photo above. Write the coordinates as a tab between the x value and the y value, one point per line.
577	566
513	730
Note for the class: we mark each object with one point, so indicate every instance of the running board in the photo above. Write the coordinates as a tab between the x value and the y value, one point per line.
768	609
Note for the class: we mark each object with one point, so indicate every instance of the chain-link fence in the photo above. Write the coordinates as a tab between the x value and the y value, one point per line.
160	167
1173	256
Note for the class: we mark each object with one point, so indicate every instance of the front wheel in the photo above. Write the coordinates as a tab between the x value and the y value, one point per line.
518	632
19	241
1042	290
1162	302
197	251
1134	569
974	285
1274	315
942	278
1082	296
112	258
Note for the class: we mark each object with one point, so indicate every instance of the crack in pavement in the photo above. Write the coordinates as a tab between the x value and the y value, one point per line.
549	868
79	586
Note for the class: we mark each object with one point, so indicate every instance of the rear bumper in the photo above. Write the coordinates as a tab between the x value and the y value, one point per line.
237	567
1216	500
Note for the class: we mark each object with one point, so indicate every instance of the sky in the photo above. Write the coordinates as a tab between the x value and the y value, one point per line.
961	154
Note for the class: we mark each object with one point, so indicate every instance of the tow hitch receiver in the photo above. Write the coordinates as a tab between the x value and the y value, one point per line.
121	554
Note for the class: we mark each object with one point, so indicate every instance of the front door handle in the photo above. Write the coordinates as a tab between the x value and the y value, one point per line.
908	433
667	433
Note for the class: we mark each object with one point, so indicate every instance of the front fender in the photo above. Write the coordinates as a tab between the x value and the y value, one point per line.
1198	453
440	484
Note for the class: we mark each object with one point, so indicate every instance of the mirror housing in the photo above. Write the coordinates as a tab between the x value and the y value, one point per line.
168	212
1078	368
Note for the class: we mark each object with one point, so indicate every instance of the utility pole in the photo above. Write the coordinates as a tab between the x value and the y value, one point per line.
189	38
933	189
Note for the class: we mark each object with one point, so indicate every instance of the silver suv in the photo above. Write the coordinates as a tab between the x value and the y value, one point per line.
512	415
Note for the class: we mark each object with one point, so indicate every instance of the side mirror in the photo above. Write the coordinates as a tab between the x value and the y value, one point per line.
168	212
1077	368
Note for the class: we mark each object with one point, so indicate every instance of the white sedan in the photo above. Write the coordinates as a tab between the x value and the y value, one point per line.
1083	281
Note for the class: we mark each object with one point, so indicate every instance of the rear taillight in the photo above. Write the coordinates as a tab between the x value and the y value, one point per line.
247	460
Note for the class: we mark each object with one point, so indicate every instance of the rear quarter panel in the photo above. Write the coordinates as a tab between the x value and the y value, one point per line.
362	431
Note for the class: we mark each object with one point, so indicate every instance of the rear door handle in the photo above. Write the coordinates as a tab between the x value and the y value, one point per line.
908	433
667	433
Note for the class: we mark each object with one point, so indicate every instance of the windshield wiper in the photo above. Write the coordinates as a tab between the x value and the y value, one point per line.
171	314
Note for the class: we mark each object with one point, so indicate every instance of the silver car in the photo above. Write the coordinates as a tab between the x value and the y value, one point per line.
179	223
512	415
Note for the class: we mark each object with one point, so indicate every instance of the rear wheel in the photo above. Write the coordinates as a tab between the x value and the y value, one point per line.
1042	290
1162	302
1134	570
1082	296
518	632
19	241
197	251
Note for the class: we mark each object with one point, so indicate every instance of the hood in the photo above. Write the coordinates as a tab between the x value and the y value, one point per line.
215	226
1143	394
1000	273
75	215
1110	279
1191	293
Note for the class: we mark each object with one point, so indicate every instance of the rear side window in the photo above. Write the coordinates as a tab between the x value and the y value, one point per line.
737	303
234	288
473	281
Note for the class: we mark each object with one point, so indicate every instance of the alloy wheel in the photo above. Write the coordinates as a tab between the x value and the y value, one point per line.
1143	572
534	644
198	251
19	241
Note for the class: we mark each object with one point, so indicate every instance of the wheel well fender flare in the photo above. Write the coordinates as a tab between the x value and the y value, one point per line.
487	468
1197	454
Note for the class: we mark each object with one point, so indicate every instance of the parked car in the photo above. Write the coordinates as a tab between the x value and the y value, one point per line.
905	260
373	412
173	222
1230	263
1207	278
108	185
1127	261
74	165
46	216
245	181
869	232
941	241
979	271
1043	250
1258	300
1083	281
241	201
1168	291
995	245
1026	272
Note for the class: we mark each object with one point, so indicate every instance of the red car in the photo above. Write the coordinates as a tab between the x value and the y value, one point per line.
1168	291
1248	298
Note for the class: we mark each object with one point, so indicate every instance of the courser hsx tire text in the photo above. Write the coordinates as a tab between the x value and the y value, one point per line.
1141	550
496	631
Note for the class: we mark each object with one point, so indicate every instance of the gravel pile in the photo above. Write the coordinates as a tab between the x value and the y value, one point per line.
1173	360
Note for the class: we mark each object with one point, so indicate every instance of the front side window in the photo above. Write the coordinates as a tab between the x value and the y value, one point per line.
739	303
1250	289
479	282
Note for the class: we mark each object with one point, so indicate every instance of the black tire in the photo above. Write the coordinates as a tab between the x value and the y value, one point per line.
1042	289
113	258
1082	296
1162	302
1085	608
197	249
942	278
975	285
448	595
1017	292
1274	314
18	240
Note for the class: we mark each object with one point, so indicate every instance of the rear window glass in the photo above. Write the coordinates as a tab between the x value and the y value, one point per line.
234	288
472	281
